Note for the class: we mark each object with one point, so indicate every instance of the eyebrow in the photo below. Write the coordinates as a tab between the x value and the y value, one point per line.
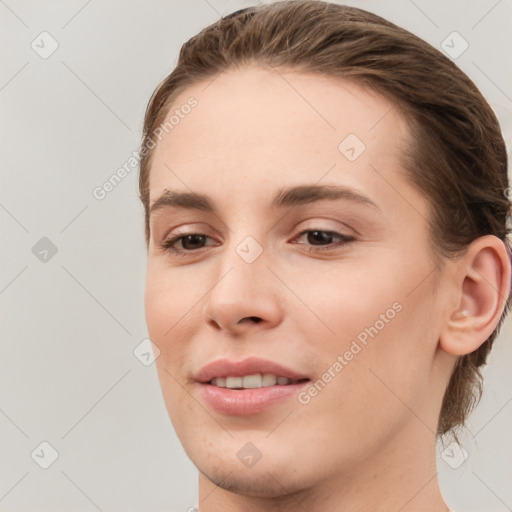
285	197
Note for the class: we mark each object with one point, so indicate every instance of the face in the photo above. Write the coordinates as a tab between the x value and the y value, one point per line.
307	259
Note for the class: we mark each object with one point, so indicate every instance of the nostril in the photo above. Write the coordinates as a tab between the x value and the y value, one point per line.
255	319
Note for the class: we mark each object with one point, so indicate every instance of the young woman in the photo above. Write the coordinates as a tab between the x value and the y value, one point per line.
328	265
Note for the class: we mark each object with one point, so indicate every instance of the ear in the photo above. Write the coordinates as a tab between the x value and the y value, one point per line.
483	282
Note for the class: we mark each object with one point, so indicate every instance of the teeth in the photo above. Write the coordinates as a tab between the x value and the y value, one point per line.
268	380
256	380
252	381
233	382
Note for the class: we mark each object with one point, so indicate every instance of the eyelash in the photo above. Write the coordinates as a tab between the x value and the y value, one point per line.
168	244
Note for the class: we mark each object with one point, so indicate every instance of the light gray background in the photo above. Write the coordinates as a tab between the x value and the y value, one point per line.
69	325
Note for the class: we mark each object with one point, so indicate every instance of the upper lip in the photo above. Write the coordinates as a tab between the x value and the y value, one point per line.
249	366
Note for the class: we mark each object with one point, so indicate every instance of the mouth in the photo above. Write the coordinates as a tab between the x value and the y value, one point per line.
254	381
249	373
247	387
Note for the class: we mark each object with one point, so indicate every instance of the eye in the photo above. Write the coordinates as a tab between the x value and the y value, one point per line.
318	239
321	240
190	242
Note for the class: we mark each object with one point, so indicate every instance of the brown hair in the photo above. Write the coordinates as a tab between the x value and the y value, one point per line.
457	158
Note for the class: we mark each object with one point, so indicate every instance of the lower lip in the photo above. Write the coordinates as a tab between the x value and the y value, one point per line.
243	402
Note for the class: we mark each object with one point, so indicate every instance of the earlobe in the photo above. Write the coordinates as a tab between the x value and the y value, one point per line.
483	288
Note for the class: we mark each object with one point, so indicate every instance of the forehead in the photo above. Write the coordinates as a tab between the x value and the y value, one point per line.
264	126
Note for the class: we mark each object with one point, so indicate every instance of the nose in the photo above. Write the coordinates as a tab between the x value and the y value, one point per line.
244	296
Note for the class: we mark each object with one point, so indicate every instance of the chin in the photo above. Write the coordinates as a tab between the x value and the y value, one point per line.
268	477
257	483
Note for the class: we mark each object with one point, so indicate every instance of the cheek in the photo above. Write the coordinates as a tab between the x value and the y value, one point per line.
170	298
158	309
371	382
373	322
171	316
170	321
344	299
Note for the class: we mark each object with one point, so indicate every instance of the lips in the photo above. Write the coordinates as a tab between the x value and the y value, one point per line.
226	368
233	388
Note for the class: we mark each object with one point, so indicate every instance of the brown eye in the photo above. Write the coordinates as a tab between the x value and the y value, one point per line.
321	239
190	242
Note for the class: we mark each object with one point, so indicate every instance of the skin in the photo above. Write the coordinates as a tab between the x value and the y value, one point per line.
367	440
